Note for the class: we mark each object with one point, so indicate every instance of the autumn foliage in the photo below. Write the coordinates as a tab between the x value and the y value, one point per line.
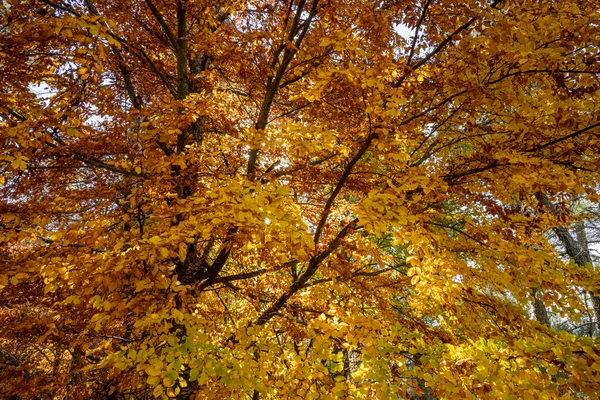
278	199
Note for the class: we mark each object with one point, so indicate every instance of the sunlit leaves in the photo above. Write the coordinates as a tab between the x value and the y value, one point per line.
300	199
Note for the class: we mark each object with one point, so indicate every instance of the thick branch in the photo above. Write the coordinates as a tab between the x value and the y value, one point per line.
273	83
569	136
578	253
299	283
163	23
339	186
441	45
416	37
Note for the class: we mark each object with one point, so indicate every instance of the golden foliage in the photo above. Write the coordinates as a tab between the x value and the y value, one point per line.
294	199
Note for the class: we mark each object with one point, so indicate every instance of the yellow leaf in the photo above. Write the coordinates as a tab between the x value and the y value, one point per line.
153	370
194	374
155	240
168	382
182	252
19	163
164	252
158	391
73	132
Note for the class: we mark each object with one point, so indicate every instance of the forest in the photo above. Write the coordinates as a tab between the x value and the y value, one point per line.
299	199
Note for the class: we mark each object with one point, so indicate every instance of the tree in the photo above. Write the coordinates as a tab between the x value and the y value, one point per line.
301	198
575	244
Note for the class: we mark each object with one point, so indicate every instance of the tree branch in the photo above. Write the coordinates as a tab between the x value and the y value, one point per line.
274	82
569	136
339	186
163	24
299	283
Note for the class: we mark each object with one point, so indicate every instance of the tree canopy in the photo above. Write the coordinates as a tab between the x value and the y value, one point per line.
319	199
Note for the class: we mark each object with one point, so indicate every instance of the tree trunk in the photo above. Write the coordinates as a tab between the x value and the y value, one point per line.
539	309
578	250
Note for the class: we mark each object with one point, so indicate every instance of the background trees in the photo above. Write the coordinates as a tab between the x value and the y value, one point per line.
281	199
